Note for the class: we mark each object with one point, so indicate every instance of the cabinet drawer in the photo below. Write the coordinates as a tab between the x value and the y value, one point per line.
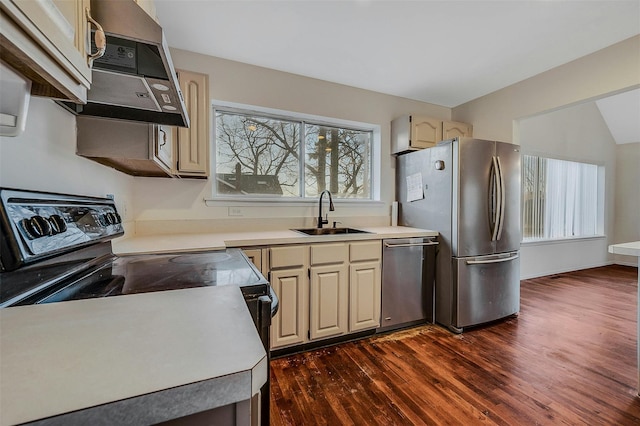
288	257
328	253
365	250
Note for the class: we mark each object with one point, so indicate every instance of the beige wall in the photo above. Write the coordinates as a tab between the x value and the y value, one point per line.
575	133
499	115
627	205
616	68
159	202
43	158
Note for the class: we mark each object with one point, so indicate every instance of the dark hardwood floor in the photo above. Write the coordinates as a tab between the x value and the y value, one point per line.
568	358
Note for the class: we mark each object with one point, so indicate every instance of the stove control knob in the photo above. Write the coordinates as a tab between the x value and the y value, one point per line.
58	225
110	218
101	219
36	227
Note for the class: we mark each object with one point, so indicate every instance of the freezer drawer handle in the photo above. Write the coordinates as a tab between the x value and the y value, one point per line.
411	244
482	262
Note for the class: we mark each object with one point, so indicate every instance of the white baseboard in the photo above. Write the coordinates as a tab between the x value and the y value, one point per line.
562	271
623	263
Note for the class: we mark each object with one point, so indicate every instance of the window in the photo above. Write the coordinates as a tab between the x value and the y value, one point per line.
560	198
258	155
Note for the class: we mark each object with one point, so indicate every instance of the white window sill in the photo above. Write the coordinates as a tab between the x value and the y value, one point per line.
561	240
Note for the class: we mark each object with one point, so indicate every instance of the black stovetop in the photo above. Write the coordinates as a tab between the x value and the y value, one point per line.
152	272
56	247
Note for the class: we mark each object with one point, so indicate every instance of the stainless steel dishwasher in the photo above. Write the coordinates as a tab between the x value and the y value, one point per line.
408	273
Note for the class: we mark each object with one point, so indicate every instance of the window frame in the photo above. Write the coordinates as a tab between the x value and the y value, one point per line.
273	200
600	204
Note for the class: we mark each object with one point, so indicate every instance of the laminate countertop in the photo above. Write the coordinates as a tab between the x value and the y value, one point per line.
629	249
219	241
133	359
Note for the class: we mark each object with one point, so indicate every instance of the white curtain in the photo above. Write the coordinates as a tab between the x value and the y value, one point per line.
571	197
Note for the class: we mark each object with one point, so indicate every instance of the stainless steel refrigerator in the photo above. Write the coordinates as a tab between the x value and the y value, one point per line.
469	191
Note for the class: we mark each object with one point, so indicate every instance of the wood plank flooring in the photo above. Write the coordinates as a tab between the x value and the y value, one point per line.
568	358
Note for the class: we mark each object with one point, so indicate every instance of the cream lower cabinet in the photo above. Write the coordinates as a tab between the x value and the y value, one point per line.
288	275
325	290
329	291
256	256
365	285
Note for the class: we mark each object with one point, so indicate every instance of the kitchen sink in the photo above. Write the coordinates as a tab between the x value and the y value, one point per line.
330	231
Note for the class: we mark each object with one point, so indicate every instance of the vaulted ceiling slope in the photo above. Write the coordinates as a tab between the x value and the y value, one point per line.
442	52
621	112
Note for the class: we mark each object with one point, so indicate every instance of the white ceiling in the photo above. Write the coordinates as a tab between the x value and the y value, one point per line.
442	52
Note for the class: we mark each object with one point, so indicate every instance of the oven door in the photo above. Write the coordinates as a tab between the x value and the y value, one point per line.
262	309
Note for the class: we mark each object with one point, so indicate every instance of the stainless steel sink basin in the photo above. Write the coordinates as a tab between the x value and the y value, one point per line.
330	231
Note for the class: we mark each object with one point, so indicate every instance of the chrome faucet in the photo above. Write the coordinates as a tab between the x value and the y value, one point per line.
322	221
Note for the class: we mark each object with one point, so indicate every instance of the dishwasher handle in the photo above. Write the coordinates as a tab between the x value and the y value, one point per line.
431	243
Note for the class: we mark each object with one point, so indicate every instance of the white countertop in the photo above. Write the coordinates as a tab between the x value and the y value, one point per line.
219	241
629	249
142	355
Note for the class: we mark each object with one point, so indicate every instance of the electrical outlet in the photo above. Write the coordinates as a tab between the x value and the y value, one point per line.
235	211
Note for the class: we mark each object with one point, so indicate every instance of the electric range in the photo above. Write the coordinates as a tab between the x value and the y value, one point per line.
57	248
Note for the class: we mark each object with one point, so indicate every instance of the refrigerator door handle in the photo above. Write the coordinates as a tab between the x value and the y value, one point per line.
499	260
496	195
502	201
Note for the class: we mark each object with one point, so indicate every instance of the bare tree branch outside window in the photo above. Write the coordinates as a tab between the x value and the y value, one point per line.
262	156
257	155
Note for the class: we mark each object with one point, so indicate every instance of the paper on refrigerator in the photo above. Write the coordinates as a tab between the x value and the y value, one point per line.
414	187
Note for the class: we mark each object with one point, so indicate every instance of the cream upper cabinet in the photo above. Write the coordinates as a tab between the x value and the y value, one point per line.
413	132
164	145
425	131
453	129
135	148
48	42
192	147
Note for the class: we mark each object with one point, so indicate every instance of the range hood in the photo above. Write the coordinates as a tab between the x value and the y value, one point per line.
134	79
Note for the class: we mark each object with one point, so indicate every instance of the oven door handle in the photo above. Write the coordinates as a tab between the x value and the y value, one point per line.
275	302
